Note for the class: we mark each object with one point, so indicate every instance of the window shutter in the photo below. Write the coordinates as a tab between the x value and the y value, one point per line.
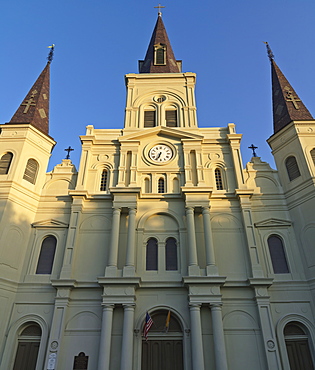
149	118
5	163
292	168
103	185
171	118
31	169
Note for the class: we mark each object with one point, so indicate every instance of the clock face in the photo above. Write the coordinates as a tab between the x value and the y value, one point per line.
161	153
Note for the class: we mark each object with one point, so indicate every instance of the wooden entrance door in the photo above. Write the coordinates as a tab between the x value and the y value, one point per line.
162	355
26	356
299	354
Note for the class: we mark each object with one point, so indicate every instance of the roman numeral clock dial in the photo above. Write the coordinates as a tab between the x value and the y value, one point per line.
161	153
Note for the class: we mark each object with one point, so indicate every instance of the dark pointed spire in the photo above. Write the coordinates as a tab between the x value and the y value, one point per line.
34	109
287	106
159	57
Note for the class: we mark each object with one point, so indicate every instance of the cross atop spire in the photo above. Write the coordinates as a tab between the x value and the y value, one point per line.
269	52
159	7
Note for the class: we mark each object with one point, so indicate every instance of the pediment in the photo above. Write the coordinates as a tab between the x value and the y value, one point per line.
161	131
50	223
273	222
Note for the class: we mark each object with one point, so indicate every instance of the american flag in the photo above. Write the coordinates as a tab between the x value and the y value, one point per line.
147	325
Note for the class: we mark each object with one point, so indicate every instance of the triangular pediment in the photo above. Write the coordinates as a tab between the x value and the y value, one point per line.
161	131
50	223
273	222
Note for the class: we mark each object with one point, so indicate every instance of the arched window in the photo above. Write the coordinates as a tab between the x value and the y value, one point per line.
46	256
28	346
218	179
159	54
171	254
152	255
297	343
292	168
147	188
31	170
149	118
277	254
313	155
161	185
104	179
5	163
171	118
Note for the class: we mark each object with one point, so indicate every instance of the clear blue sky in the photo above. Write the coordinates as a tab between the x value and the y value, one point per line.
98	42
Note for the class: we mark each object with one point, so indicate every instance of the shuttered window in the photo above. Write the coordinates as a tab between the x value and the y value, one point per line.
149	118
218	179
104	176
5	163
171	118
152	255
31	170
292	168
277	255
313	155
46	256
160	55
171	254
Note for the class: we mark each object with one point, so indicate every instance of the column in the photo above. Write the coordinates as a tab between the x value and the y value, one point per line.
196	337
193	268
127	342
106	338
129	269
210	258
218	337
113	248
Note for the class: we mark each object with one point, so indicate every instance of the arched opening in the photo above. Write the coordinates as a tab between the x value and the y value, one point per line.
171	254
5	163
28	346
47	255
149	118
152	255
171	118
218	179
164	347
313	155
277	255
297	344
104	180
161	185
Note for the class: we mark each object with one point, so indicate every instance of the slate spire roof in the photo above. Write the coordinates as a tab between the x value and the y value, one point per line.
159	39
34	109
287	106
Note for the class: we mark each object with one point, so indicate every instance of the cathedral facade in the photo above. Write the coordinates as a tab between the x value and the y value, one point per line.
162	251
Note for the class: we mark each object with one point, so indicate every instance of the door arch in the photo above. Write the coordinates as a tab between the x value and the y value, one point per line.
164	347
297	345
28	347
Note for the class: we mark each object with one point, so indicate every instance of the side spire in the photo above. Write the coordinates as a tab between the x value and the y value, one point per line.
160	56
34	109
287	106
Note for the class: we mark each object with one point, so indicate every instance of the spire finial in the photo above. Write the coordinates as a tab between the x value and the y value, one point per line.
269	52
51	53
159	7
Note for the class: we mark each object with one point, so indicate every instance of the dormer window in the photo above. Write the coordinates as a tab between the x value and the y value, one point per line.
159	54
